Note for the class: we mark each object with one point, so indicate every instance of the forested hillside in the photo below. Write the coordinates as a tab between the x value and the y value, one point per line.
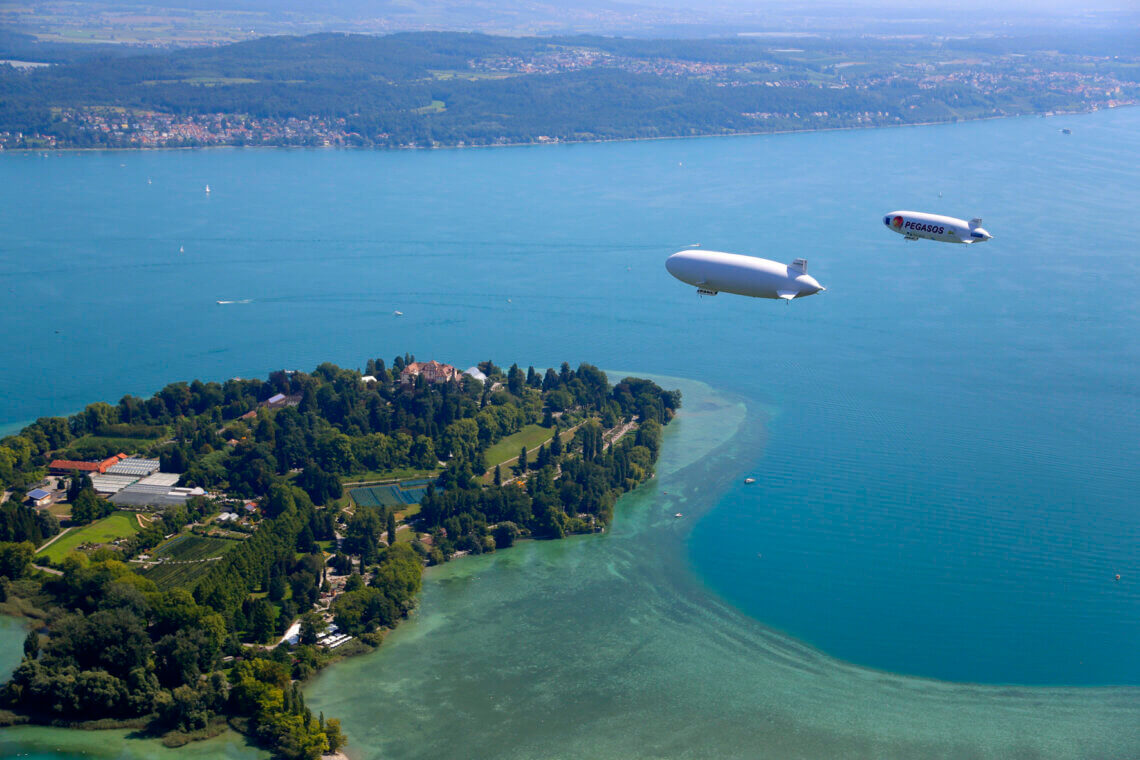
427	89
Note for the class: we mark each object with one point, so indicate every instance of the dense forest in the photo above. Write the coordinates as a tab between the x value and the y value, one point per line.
185	659
426	89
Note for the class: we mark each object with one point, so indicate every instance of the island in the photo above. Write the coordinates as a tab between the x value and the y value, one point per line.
185	562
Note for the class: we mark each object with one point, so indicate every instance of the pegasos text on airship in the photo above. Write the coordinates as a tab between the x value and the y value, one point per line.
946	229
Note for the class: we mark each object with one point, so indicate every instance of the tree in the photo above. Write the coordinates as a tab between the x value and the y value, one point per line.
341	563
312	626
88	507
32	645
520	467
15	558
264	617
306	542
333	735
505	534
515	380
391	527
76	484
280	499
276	588
498	475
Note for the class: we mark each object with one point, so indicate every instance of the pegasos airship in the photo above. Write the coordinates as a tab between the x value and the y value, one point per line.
713	271
917	224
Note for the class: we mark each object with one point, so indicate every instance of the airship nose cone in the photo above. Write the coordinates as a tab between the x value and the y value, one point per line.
680	265
809	286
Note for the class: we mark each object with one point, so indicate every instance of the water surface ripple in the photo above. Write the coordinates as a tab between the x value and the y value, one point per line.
609	647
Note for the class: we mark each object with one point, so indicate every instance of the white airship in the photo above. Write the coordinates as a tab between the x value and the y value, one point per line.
714	271
917	224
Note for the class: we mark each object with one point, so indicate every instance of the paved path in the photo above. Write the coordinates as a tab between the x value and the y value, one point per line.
53	539
624	429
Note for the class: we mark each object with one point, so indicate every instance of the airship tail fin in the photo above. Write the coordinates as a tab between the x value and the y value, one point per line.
799	264
975	222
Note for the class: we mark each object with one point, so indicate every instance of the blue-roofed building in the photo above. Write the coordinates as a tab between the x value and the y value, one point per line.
39	497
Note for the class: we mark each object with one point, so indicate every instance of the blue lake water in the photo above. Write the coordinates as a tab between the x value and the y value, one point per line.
945	442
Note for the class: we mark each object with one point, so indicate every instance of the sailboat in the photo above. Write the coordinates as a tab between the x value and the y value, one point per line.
207	189
182	249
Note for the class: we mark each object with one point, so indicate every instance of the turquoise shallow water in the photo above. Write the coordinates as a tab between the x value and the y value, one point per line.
944	442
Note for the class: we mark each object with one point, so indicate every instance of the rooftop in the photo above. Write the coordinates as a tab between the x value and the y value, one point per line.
134	466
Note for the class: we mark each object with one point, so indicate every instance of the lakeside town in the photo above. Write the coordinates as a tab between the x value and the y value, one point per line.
170	101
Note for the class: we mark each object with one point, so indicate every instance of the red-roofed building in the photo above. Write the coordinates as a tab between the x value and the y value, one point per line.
433	372
67	466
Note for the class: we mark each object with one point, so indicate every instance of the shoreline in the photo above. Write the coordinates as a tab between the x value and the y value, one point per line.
777	640
18	613
549	143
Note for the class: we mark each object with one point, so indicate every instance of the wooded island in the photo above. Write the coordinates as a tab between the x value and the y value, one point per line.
306	508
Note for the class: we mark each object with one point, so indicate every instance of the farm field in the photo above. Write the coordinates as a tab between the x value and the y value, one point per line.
187	546
186	560
116	525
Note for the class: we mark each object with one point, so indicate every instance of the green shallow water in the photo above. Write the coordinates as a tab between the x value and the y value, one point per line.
45	743
12	633
609	647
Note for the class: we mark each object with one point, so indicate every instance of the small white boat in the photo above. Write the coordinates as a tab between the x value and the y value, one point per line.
397	314
182	249
207	189
678	515
750	481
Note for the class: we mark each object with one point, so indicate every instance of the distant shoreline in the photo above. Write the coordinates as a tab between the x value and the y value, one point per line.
547	143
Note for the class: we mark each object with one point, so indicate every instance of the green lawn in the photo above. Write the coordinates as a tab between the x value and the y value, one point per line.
508	448
117	525
373	476
59	509
408	512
